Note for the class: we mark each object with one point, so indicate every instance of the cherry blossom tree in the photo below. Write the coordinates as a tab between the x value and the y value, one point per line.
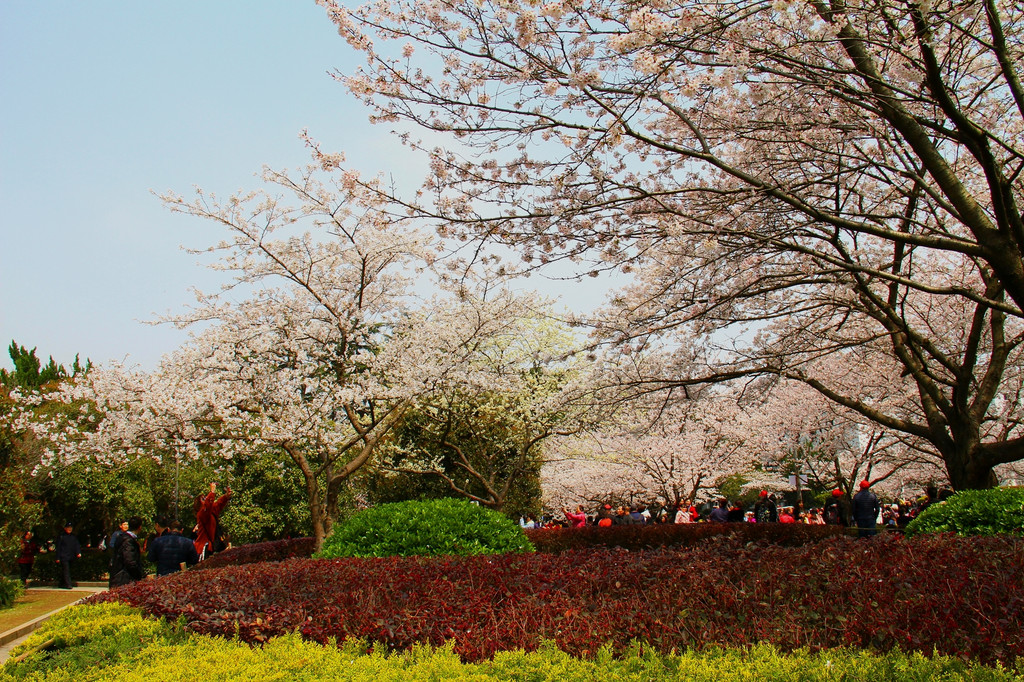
316	347
575	473
655	451
790	180
796	429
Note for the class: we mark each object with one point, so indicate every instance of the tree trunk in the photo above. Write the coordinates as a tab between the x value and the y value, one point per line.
969	470
321	525
316	512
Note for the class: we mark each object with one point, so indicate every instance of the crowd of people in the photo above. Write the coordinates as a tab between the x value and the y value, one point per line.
170	549
167	546
863	510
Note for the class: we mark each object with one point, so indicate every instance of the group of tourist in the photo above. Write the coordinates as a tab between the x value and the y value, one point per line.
864	511
166	547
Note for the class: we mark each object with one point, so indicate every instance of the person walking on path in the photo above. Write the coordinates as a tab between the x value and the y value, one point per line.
865	510
172	552
126	566
208	509
67	550
29	549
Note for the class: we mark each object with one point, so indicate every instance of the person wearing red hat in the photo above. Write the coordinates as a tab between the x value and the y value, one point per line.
837	509
765	509
865	510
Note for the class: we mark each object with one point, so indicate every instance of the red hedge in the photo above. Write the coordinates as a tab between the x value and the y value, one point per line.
277	550
959	596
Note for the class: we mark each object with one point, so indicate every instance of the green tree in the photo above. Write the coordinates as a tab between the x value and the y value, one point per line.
30	373
268	500
486	447
21	508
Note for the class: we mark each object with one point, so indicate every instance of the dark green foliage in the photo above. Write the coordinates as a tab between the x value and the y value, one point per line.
92	566
425	528
16	516
95	497
481	447
30	373
10	590
974	512
386	487
268	502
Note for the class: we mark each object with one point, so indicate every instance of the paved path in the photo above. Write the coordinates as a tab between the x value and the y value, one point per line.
18	634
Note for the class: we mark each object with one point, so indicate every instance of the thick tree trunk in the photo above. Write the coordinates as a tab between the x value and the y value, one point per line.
970	470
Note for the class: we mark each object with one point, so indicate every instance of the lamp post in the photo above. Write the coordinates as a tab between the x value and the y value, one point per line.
177	458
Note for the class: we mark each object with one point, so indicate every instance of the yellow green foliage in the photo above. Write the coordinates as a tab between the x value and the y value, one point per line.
114	642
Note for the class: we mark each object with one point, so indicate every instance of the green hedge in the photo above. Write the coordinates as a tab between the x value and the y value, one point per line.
10	590
113	642
974	512
425	528
93	565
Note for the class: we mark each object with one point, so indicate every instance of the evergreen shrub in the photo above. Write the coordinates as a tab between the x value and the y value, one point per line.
10	590
974	512
425	528
156	650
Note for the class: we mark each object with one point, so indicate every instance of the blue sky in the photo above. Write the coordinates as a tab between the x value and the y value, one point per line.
103	103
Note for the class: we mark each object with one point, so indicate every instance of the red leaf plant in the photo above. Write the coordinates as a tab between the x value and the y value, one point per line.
957	596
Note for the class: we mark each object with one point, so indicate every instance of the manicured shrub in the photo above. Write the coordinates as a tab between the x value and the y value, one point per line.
974	512
277	550
10	590
653	536
425	528
953	595
156	651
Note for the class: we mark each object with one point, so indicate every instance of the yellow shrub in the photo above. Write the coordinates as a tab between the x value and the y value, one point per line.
115	643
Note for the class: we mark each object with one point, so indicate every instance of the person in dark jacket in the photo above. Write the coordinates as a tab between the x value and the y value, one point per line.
126	566
720	514
66	551
765	509
735	513
172	552
161	526
865	510
115	537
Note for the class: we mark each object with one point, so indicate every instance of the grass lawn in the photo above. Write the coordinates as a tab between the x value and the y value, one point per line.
35	603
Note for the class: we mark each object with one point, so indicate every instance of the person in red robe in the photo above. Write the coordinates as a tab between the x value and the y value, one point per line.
208	509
